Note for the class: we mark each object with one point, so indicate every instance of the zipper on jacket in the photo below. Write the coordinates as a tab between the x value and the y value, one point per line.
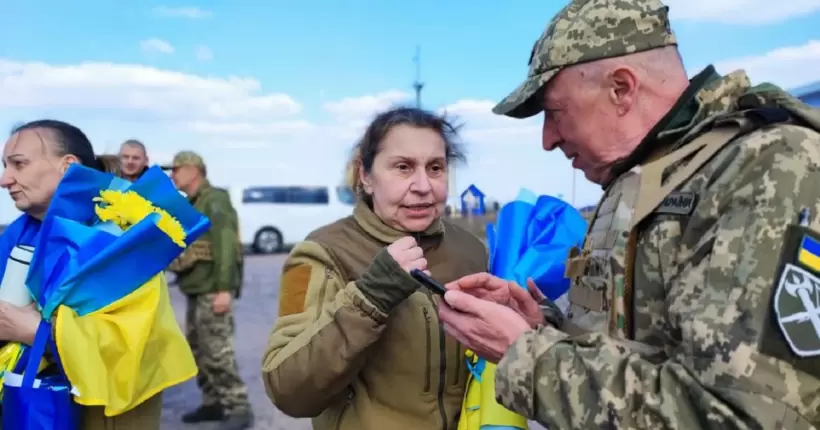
345	407
459	357
322	292
429	349
442	382
442	351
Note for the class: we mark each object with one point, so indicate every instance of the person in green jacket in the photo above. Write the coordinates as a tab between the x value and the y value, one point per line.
209	273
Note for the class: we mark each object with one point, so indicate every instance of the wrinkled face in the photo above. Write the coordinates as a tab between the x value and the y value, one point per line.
31	170
408	181
583	120
183	177
132	160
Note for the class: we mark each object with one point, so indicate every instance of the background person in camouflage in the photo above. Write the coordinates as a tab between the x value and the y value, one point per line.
696	291
209	272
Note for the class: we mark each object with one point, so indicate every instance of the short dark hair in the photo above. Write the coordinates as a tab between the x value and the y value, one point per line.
134	143
68	140
369	145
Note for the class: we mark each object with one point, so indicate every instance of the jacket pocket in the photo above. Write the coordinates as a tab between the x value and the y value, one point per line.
428	357
459	362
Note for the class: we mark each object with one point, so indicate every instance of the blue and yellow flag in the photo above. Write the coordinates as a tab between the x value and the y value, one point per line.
809	254
98	270
531	239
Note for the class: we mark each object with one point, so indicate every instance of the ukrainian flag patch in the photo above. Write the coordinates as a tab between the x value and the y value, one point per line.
809	254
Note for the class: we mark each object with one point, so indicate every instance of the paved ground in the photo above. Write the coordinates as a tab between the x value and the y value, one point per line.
256	313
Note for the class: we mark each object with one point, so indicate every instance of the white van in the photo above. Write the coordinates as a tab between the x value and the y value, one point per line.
272	217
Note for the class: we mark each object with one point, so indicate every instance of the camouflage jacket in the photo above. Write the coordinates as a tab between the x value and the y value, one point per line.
214	261
702	324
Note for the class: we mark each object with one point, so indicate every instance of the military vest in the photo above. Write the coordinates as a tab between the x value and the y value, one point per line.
600	292
599	267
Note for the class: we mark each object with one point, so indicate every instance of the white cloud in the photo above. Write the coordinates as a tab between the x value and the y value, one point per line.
204	53
751	12
190	12
141	92
250	136
157	46
365	106
788	67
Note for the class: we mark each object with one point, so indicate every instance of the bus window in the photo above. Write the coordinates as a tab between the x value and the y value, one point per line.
287	195
346	195
309	195
265	195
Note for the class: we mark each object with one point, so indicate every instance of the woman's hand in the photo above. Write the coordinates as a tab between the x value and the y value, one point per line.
19	324
408	254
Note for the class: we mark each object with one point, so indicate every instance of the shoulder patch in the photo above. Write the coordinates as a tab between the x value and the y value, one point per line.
792	329
293	290
797	309
678	203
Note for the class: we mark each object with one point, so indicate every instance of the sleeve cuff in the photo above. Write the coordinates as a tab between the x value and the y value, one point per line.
515	377
385	284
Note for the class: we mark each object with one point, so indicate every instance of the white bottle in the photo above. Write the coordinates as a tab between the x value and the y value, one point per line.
13	286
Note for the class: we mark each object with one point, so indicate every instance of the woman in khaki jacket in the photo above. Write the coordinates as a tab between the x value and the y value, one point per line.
358	344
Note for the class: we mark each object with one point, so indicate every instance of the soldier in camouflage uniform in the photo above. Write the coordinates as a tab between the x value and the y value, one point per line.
695	301
209	273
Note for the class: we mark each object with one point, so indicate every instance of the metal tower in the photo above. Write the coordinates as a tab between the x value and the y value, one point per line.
418	85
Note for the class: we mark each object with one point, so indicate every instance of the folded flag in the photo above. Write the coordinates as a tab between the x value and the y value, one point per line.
531	238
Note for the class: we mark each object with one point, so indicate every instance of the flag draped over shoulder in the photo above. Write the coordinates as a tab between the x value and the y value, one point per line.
98	269
531	239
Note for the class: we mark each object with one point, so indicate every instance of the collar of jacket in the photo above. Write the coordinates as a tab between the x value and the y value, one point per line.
673	125
374	226
205	185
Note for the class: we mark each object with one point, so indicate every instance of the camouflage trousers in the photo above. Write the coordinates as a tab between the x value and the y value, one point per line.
210	337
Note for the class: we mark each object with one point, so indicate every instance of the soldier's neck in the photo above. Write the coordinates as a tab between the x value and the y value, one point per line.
194	187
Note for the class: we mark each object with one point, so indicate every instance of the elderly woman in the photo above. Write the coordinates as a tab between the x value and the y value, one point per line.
358	344
34	159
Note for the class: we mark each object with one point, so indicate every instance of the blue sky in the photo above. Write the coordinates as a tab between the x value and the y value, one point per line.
277	91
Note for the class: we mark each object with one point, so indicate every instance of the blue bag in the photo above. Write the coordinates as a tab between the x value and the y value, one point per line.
48	406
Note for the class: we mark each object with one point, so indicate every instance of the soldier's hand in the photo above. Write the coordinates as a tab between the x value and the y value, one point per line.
485	327
408	254
489	287
222	302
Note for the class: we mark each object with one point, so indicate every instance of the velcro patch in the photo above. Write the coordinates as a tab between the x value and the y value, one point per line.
792	329
293	290
678	203
797	309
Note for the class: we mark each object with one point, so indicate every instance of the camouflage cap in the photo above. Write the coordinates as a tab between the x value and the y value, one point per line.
584	31
185	158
